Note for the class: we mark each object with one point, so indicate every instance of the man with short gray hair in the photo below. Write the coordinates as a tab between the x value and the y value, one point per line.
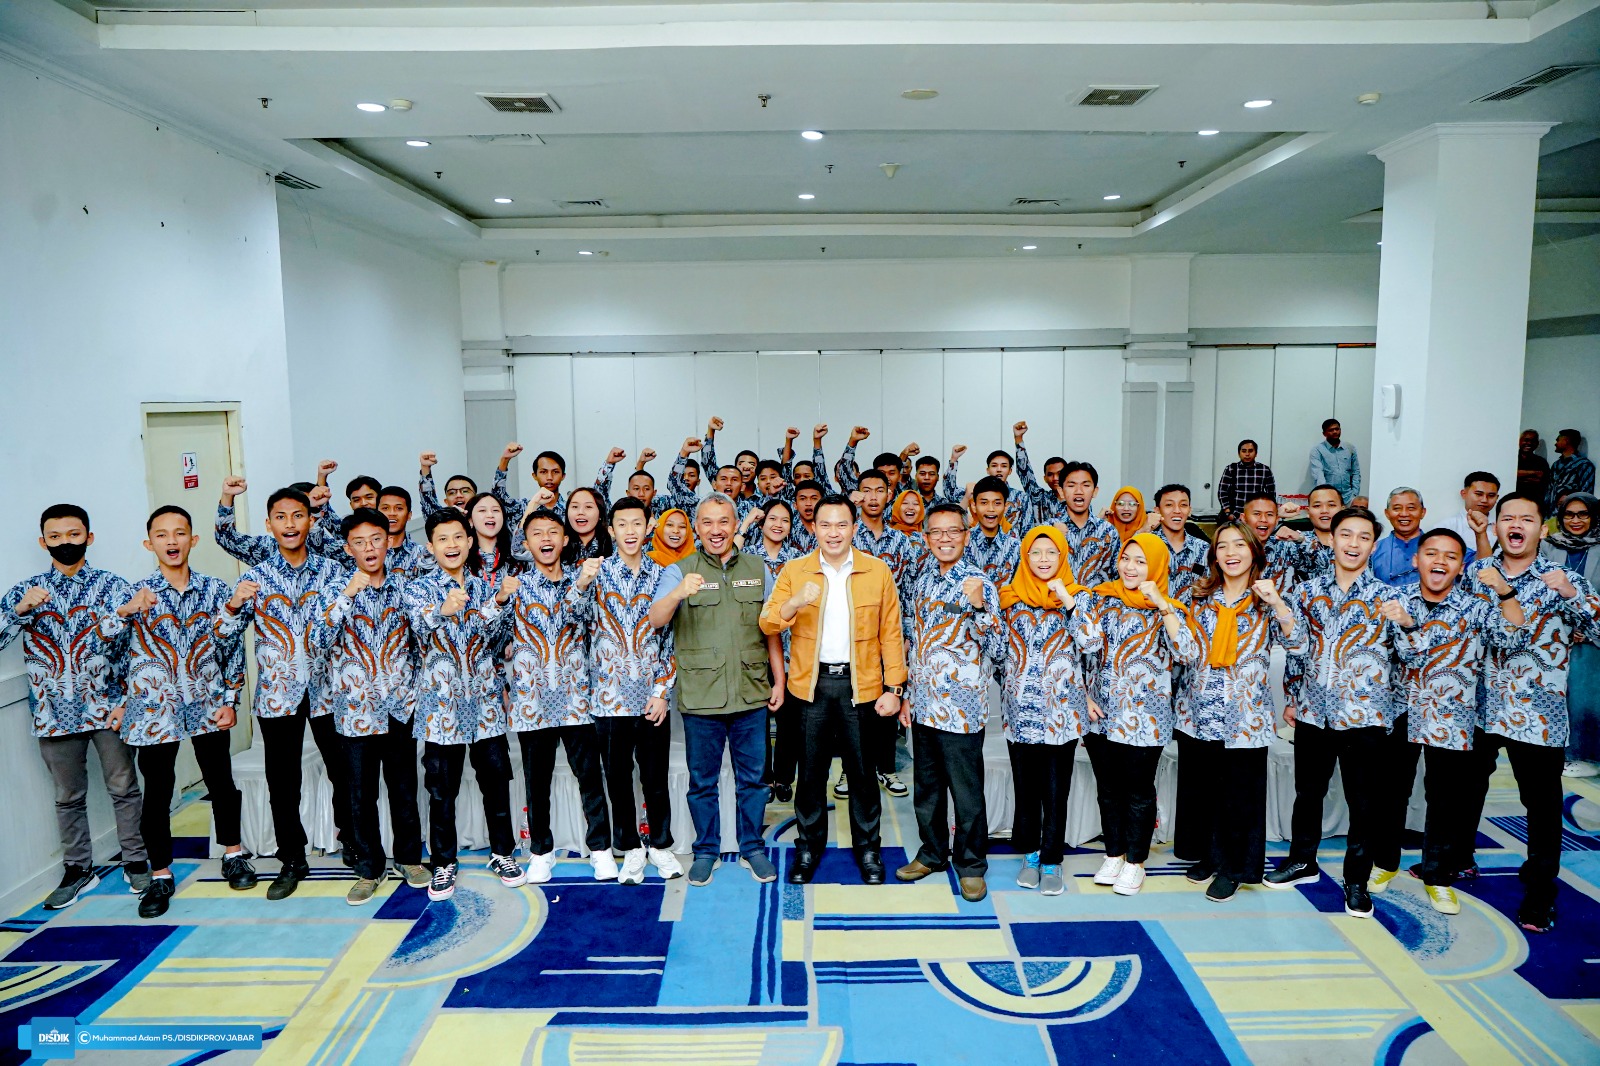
1394	559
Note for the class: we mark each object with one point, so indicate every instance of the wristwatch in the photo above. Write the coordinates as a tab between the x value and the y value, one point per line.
1508	594
895	690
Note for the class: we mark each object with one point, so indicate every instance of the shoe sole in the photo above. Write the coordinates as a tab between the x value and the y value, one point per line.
898	876
440	897
1119	890
244	888
608	877
1221	899
1106	882
1193	880
94	882
1027	884
538	880
1447	910
1380	887
1052	891
1352	912
716	864
361	902
1303	879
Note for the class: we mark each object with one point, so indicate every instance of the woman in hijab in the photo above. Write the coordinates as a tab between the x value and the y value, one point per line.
1576	545
671	536
1127	512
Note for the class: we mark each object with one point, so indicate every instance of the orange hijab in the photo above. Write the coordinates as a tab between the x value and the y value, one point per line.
661	553
908	528
1160	560
1025	587
1127	529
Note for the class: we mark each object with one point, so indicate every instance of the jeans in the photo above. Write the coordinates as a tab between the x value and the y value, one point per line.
282	741
945	765
158	763
1125	786
624	741
582	743
442	765
1041	777
67	759
1538	772
830	722
1358	753
1222	807
393	754
744	734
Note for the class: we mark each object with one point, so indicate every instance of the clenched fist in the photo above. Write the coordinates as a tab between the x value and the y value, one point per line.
358	581
615	456
691	584
645	456
587	571
819	431
972	588
1151	593
231	487
957	452
912	450
33	598
1059	588
427	461
808	594
1558	581
543	498
455	601
511	451
1492	578
508	588
1018	431
243	593
1396	612
324	468
714	426
141	602
690	446
319	496
1477	521
1266	591
859	434
791	433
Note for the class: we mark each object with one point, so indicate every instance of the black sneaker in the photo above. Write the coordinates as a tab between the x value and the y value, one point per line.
74	882
1357	904
782	793
237	871
1535	919
153	901
892	784
1468	874
1221	889
1199	873
443	885
288	880
1289	874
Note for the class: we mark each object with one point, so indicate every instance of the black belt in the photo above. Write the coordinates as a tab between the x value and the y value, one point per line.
835	669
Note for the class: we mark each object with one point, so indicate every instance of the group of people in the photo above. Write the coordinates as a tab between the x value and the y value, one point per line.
792	618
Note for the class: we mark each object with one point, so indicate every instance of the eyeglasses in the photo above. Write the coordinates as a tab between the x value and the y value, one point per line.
1574	514
945	534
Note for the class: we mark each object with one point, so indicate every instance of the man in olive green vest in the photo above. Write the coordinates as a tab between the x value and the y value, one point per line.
729	675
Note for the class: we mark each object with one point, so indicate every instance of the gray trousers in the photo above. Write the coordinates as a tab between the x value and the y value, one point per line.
67	758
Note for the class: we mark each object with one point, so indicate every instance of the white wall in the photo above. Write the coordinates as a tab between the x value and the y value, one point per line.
374	342
1283	290
136	266
1561	388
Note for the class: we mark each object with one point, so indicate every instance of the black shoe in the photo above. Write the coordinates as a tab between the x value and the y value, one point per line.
1288	874
237	871
1535	919
1221	889
1468	874
1199	873
782	793
871	865
153	902
803	868
288	880
1357	904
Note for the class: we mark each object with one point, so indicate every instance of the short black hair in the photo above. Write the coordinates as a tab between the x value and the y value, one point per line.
887	459
927	460
364	481
990	483
1480	475
1000	453
1326	422
1077	467
63	510
837	499
1571	434
807	463
811	485
729	466
541	512
1053	460
874	474
644	474
1324	487
1250	442
1443	531
693	464
302	486
946	507
629	503
363	516
443	517
1174	487
768	464
1523	496
744	452
170	508
289	492
1253	497
460	477
1357	512
554	457
397	491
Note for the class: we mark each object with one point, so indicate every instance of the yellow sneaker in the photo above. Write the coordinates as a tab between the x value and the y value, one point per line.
1380	879
1443	899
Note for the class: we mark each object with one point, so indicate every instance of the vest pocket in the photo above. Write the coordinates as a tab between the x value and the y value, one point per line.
700	685
755	676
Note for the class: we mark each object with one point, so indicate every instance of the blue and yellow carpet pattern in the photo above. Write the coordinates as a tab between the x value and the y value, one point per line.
740	973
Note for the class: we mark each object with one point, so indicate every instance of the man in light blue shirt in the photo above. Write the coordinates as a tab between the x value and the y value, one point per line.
1394	559
1333	464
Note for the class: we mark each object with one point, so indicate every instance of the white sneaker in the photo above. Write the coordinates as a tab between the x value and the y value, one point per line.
1109	870
666	863
1575	768
539	867
632	868
1129	880
605	865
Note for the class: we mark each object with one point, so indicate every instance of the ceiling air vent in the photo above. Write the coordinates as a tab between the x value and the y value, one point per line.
289	181
578	204
1114	95
1535	81
1028	201
522	103
530	139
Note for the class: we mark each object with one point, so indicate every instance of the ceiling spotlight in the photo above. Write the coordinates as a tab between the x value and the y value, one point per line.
920	94
502	199
1112	196
1209	133
1369	98
581	252
1030	247
418	144
1258	103
811	135
374	108
808	196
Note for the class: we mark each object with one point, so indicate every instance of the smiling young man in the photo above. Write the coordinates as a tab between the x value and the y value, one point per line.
1261	515
457	490
998	464
1525	706
1313	554
72	691
1480	491
989	547
1188	563
1093	542
180	684
802	534
1394	559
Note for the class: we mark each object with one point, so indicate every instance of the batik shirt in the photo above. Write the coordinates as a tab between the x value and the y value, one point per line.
1042	695
786	552
1133	655
177	674
1442	664
845	470
1309	557
292	633
460	694
1282	557
1232	704
1568	474
516	508
1525	695
904	559
72	686
996	556
408	558
804	541
630	661
742	504
547	679
372	666
251	549
819	464
949	680
660	503
1187	566
1347	649
1018	505
428	496
1044	504
1092	548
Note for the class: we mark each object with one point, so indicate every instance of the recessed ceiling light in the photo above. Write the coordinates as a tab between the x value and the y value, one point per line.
1380	244
1112	196
419	144
585	253
811	135
502	199
808	196
372	107
1030	247
1209	133
1258	103
920	94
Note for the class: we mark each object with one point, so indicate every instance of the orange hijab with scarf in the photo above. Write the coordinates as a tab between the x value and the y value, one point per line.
1160	562
661	553
1026	587
910	529
1126	530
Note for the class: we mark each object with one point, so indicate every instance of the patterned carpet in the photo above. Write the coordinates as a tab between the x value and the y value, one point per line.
741	973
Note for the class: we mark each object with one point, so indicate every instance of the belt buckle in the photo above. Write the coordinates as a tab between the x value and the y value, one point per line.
837	669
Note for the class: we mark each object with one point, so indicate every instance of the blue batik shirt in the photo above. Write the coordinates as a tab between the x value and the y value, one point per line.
547	677
950	641
460	693
1133	655
630	661
1042	695
1018	504
1092	549
251	549
996	556
72	684
289	610
1232	704
1443	658
1188	564
372	665
1347	649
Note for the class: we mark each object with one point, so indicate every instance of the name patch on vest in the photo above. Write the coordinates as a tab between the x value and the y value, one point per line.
710	586
747	582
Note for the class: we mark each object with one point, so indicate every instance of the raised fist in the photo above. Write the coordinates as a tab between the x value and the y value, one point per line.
819	431
1267	592
33	598
319	496
912	450
957	452
543	498
243	593
1018	431
588	570
140	603
1558	581
1396	612
357	582
972	588
1057	586
511	451
233	486
427	461
1478	521
454	601
791	433
324	468
508	588
691	584
646	456
690	446
1493	578
1151	593
615	456
809	593
714	426
859	434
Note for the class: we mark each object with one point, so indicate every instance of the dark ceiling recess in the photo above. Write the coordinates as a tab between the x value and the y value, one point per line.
521	103
289	181
1534	81
1028	201
1115	95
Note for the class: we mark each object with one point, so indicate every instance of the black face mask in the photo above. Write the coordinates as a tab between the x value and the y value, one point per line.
67	554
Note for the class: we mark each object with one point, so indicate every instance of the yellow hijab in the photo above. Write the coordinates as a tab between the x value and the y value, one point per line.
1127	529
1025	587
1160	560
661	553
908	528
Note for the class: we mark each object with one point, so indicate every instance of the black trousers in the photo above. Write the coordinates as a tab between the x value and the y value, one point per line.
883	734
1041	778
946	765
1391	793
783	755
830	722
625	741
582	743
442	765
1358	755
1222	807
1125	785
393	756
158	765
1451	824
282	740
1538	772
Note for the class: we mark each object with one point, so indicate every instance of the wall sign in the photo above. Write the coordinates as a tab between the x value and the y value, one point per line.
191	469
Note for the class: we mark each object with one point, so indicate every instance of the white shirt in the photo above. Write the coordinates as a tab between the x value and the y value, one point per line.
1459	524
833	644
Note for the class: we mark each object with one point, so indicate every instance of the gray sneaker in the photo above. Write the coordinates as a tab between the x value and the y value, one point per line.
361	892
76	881
760	866
138	880
1029	877
1050	882
700	869
414	875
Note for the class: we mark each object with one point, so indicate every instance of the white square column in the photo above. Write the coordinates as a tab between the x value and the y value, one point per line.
1458	203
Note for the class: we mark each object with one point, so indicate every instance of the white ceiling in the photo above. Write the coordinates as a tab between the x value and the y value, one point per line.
660	116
